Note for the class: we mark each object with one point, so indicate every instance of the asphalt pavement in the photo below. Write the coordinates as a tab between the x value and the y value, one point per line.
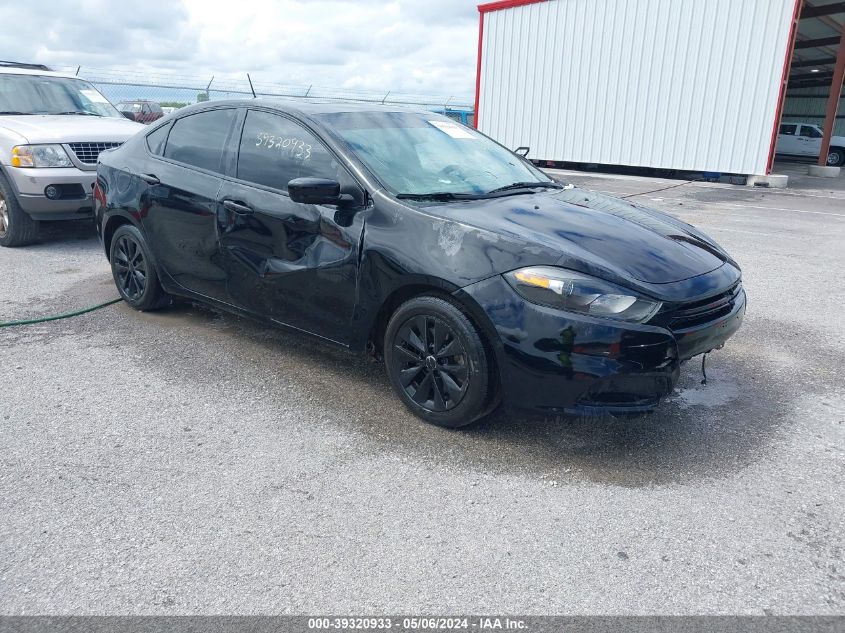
189	462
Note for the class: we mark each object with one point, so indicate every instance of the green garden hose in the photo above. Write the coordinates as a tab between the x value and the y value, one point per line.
56	317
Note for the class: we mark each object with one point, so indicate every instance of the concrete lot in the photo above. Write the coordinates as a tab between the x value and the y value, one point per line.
190	462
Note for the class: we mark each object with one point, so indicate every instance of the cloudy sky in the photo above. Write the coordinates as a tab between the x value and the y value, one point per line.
411	46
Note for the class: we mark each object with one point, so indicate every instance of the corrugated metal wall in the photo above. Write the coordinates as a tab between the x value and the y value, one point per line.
675	84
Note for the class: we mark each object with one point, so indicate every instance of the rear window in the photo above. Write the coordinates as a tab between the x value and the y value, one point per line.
199	139
788	129
156	140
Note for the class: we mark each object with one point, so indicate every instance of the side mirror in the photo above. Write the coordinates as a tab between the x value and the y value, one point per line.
314	190
522	151
128	115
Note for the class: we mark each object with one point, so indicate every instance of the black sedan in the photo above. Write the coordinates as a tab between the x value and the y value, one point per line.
404	235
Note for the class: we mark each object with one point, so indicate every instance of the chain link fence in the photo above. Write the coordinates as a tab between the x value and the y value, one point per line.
177	91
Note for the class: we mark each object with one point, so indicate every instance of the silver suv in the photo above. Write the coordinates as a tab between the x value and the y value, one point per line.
52	130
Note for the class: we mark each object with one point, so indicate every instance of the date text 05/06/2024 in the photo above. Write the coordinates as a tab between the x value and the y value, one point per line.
423	623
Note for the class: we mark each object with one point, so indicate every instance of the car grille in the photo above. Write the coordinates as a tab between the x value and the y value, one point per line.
686	315
88	153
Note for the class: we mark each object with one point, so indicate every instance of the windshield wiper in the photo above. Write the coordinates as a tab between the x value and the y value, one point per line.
445	196
439	195
79	112
13	112
528	185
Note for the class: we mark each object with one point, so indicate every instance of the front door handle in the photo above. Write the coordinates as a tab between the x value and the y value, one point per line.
237	207
150	179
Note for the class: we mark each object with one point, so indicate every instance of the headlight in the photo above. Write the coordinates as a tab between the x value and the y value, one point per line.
576	292
40	156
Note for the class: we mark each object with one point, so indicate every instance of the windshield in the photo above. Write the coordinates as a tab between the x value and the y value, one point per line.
43	94
418	154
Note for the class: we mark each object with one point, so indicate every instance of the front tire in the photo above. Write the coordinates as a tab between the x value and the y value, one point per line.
437	362
133	270
17	228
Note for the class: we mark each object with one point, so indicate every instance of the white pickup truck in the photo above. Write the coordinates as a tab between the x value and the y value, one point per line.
805	140
52	130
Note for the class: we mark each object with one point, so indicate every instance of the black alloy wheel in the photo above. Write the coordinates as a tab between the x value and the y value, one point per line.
437	363
134	271
431	362
130	268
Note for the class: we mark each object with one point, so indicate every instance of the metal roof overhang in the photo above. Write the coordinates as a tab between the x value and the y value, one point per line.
817	43
821	39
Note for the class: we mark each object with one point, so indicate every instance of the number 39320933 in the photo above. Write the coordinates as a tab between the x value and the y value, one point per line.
297	147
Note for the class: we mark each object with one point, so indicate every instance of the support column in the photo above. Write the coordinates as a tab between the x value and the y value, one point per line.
832	107
784	80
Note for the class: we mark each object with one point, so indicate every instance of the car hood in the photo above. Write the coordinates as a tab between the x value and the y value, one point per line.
596	234
51	128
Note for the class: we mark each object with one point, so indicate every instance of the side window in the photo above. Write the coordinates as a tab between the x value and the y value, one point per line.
810	132
199	139
788	129
156	140
275	150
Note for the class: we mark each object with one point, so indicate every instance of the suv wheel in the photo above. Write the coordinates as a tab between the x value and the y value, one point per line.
437	363
133	270
16	227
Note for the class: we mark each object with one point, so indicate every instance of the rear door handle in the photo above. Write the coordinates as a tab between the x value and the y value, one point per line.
150	179
237	207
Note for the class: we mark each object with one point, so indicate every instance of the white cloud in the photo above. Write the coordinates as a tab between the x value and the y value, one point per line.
410	46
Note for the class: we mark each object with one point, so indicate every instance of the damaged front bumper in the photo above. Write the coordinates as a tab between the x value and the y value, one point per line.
559	362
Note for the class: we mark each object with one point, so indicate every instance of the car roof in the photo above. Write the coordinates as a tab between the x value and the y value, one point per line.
313	106
9	70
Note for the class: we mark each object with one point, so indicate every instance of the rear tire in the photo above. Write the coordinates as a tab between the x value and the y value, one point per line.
437	362
836	157
134	272
17	228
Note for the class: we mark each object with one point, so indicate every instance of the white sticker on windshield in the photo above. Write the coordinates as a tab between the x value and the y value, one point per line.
452	129
94	96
